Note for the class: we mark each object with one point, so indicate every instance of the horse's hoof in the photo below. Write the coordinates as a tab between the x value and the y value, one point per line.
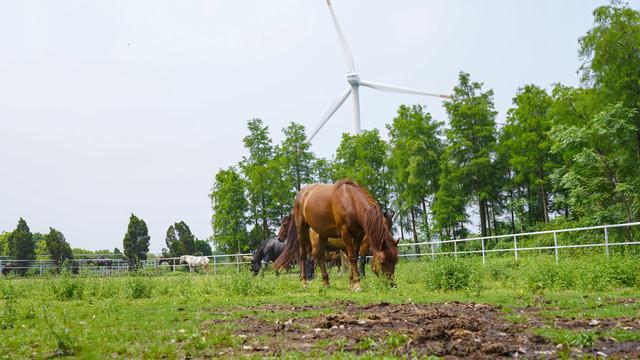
355	287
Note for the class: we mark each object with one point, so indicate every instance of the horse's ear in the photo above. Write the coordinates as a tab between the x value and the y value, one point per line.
393	214
397	241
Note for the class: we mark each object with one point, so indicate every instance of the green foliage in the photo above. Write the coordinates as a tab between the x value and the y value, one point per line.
603	180
20	243
229	206
202	248
361	158
138	287
136	241
59	248
67	288
179	240
471	142
416	149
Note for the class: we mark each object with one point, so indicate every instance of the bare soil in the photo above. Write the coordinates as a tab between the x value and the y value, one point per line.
451	330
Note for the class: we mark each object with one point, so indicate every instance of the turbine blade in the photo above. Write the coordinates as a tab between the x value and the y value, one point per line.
343	41
399	89
332	109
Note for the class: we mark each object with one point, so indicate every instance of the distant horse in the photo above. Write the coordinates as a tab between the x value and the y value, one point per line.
194	262
8	267
100	261
345	210
173	262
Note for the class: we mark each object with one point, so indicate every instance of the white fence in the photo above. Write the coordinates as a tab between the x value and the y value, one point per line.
479	243
461	247
43	267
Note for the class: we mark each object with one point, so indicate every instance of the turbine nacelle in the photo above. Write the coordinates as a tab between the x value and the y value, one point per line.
353	79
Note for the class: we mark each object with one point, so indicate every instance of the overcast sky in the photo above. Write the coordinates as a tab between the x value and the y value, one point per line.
109	108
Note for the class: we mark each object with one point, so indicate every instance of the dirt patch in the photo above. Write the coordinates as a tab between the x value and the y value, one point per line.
450	330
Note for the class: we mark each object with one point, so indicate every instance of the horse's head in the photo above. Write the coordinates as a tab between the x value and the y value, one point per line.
285	222
385	259
183	259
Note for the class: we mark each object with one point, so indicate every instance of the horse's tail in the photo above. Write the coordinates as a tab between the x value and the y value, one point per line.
291	247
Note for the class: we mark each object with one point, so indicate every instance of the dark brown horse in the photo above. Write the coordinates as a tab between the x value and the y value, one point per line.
345	210
8	267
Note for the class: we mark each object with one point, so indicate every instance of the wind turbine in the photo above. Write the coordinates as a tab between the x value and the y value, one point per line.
354	84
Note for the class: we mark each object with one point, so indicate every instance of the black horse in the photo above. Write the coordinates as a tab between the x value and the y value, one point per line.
269	250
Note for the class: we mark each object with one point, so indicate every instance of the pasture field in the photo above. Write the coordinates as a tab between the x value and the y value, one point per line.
587	307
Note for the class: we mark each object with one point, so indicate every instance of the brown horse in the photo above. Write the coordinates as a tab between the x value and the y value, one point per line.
333	244
345	210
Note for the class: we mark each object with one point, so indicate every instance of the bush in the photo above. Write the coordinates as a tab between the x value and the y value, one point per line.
138	287
67	288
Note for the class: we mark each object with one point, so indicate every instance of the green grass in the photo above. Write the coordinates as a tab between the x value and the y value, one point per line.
175	315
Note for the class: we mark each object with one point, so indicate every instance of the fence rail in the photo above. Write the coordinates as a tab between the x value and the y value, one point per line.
461	247
478	244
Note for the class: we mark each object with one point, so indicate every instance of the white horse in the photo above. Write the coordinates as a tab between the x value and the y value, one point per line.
194	262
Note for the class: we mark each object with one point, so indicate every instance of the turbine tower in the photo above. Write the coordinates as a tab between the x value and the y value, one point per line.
354	84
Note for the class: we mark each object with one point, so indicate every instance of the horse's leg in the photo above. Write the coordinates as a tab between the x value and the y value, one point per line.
362	261
206	269
303	237
318	254
352	253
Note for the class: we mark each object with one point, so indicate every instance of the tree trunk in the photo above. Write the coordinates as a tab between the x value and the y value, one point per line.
415	234
483	219
426	218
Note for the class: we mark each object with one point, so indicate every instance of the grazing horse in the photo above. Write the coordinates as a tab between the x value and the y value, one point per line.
8	267
268	251
345	210
336	244
100	261
173	262
194	262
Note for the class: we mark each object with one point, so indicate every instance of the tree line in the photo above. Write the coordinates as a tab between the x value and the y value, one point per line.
568	156
22	244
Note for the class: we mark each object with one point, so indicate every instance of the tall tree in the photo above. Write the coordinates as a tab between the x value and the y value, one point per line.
610	52
471	142
362	158
136	241
20	242
230	207
603	179
295	157
416	149
202	248
58	247
180	240
260	176
528	125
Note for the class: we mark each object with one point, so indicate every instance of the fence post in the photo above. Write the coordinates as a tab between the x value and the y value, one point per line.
238	262
555	242
455	249
482	242
606	240
214	265
432	257
515	245
156	265
40	268
0	268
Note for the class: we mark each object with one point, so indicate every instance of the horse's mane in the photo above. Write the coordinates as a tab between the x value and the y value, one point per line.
291	246
375	223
